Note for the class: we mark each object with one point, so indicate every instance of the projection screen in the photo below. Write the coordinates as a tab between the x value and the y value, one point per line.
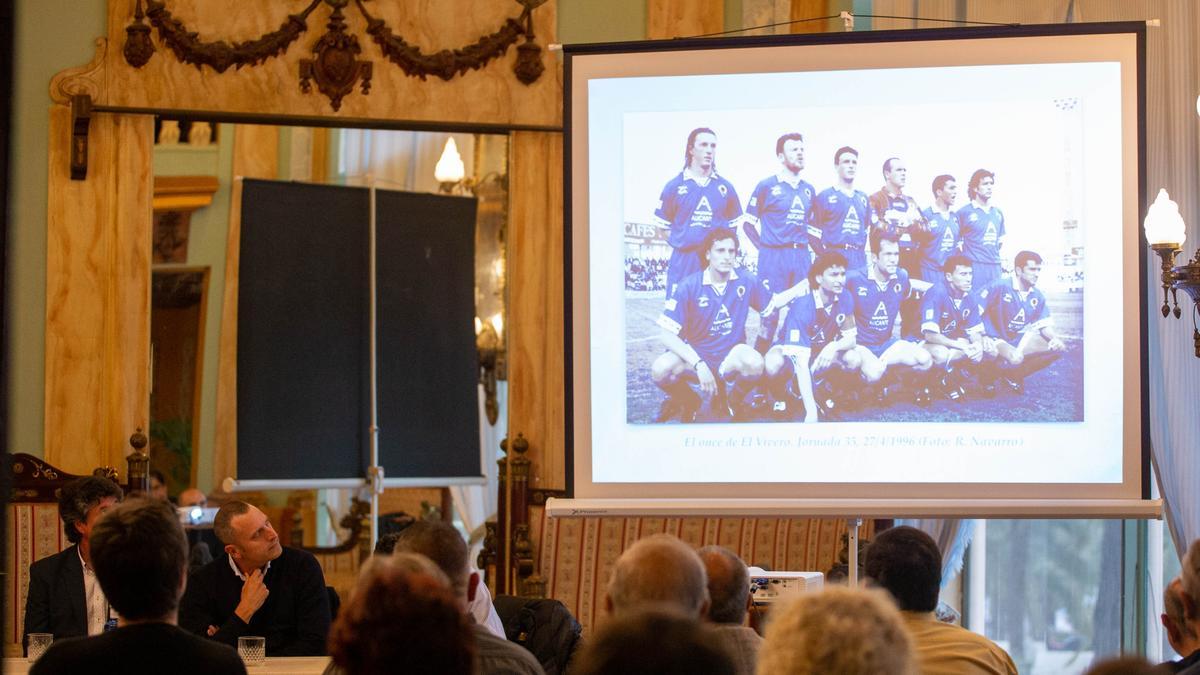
975	333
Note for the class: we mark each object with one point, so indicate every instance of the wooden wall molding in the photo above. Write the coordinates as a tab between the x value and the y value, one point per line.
98	293
535	303
87	79
255	155
667	19
184	193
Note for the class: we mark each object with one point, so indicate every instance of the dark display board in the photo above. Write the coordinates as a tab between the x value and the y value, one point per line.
428	400
304	334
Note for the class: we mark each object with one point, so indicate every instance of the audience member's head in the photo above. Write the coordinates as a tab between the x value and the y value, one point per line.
140	554
652	641
1181	632
402	617
907	563
81	502
193	497
659	569
158	485
442	544
838	630
247	534
728	585
1190	578
1124	665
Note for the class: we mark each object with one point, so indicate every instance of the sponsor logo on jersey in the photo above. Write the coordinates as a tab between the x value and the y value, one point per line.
1019	317
880	317
798	203
722	323
851	223
947	240
704	205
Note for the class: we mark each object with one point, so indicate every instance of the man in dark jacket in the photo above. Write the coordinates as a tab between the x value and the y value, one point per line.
258	588
64	597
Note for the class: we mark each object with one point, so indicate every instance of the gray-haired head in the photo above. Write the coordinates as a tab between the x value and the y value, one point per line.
728	584
659	570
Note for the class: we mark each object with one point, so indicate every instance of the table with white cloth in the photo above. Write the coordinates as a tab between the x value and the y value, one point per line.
274	665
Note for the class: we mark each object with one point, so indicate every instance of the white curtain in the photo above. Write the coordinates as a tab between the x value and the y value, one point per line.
399	160
405	160
1172	161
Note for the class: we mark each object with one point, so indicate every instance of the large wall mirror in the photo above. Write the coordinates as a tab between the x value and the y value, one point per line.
194	179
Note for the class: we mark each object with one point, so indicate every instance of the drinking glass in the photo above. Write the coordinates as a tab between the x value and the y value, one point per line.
38	644
252	649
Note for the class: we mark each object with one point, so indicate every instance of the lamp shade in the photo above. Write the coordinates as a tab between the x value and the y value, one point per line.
449	167
1164	224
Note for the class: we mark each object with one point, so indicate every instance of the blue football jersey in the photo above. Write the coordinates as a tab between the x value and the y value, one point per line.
690	208
981	232
1008	312
812	323
839	220
944	310
942	239
781	211
875	306
709	320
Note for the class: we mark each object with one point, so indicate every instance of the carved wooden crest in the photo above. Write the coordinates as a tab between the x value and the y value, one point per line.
335	66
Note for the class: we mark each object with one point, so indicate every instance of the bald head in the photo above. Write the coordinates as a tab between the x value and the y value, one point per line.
659	570
728	584
192	497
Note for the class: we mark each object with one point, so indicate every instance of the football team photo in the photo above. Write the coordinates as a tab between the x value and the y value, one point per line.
827	263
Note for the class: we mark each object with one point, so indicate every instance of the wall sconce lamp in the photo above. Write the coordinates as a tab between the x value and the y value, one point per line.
1165	231
450	170
489	342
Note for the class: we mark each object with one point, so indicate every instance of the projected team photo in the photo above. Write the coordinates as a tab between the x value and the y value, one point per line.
833	264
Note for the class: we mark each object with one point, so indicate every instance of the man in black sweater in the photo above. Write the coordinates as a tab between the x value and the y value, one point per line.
140	557
258	588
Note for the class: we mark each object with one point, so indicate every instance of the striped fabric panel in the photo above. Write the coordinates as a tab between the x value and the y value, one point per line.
34	532
577	555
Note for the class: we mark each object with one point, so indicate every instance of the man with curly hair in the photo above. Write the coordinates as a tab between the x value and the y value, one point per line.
64	597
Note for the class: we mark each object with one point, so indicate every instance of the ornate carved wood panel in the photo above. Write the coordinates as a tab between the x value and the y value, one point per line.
491	95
